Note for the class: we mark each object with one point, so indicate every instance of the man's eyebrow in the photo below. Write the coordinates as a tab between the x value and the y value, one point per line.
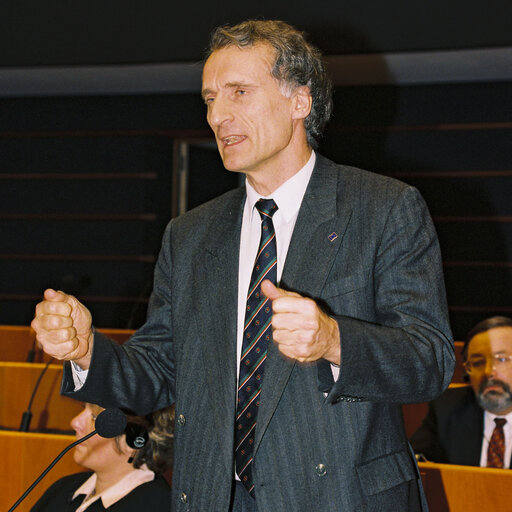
497	353
232	85
205	92
228	85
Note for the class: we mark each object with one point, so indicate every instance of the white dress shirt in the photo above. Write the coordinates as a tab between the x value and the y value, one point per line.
489	425
288	198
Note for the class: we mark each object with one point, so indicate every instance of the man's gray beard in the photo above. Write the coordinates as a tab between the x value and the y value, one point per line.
493	401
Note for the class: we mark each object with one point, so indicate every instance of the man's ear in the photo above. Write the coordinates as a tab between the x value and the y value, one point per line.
302	102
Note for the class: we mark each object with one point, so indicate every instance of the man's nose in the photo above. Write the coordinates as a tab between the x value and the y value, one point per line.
219	111
490	366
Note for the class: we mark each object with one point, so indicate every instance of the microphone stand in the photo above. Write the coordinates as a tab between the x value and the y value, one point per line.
32	352
27	415
43	474
109	423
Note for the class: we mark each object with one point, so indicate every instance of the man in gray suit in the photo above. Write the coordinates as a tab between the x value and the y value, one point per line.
359	321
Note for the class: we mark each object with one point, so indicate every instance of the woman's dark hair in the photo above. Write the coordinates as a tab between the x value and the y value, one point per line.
297	63
157	452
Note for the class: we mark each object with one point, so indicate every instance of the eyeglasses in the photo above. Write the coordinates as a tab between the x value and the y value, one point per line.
500	362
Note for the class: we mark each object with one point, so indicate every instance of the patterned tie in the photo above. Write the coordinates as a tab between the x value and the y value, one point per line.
496	450
257	334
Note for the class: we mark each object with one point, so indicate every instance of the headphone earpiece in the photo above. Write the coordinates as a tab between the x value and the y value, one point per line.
136	436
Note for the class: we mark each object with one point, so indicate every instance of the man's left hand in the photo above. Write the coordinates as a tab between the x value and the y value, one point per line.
301	330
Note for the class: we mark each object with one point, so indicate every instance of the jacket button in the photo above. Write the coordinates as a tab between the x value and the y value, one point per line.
321	470
181	420
183	498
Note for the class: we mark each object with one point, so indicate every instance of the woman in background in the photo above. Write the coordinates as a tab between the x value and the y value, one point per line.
125	472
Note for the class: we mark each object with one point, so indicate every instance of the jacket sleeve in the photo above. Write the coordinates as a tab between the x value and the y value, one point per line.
138	375
405	353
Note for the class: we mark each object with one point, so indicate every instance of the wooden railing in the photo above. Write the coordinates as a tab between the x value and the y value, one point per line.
16	342
24	457
451	488
50	410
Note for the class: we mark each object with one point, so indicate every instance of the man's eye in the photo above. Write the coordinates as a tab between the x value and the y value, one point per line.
478	363
240	92
501	359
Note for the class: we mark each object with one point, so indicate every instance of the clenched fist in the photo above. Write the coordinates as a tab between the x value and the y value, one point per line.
63	328
301	330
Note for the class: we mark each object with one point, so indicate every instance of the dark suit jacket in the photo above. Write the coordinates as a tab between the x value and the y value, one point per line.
452	431
380	277
152	496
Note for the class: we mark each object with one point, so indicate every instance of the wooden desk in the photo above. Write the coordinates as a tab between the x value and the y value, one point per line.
451	488
17	340
50	410
24	457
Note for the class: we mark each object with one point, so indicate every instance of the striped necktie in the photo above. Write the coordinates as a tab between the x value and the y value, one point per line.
496	449
257	334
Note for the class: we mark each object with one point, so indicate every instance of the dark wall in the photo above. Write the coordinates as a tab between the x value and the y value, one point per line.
87	188
453	143
88	32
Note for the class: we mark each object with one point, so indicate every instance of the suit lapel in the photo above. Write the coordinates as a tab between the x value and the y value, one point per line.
318	233
316	239
218	306
470	421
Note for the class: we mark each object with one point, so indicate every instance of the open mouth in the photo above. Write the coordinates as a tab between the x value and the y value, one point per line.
232	140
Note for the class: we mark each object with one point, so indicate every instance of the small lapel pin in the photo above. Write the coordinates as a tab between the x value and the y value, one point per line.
333	236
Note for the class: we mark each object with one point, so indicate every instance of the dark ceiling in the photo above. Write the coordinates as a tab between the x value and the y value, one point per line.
103	32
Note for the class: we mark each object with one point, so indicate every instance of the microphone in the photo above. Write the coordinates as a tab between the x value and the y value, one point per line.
27	415
109	423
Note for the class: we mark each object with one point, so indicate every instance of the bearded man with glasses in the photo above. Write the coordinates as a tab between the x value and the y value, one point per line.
473	425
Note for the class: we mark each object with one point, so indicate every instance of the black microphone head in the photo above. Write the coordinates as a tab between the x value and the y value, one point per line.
110	423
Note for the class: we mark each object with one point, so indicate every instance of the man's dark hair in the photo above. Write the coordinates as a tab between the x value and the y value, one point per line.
297	63
483	326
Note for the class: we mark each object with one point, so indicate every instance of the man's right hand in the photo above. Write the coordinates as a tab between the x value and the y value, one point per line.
63	328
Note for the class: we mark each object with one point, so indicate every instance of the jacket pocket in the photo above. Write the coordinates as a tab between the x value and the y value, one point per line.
385	472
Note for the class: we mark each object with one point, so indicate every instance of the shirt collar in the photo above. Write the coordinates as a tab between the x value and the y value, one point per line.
288	196
117	491
489	418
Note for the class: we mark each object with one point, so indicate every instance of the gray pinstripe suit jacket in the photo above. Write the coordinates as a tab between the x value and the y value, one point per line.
382	280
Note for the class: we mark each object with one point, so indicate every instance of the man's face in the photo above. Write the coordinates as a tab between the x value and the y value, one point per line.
256	126
493	383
